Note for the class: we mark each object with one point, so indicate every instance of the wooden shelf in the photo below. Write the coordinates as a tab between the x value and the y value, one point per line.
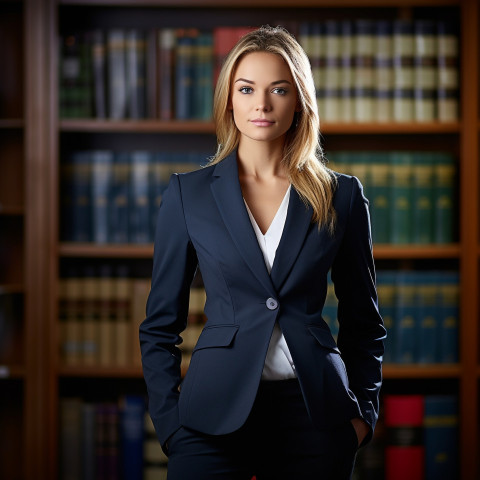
421	371
13	210
101	372
108	250
416	251
208	127
12	288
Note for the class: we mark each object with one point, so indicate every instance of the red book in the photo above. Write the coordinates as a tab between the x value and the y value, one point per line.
404	452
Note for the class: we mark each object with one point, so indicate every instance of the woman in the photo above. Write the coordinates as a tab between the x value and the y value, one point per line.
268	391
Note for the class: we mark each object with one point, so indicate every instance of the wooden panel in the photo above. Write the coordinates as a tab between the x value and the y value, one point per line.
11	59
12	168
11	250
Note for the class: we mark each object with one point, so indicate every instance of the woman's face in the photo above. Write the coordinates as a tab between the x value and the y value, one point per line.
263	97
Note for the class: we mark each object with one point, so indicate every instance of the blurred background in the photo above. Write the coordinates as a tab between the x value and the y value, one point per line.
101	101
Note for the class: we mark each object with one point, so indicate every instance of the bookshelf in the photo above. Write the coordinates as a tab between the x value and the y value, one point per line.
34	140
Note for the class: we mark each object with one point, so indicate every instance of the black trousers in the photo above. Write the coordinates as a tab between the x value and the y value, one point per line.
278	442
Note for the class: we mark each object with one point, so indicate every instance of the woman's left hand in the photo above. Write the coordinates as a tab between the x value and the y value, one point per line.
361	428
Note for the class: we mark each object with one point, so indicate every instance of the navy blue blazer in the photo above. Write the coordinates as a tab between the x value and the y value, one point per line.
203	223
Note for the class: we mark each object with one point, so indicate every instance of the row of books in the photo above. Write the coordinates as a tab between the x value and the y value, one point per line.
421	314
416	438
113	196
412	194
383	71
421	437
131	73
109	440
100	310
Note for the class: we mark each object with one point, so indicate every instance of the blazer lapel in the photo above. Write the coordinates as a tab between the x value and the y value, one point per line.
227	192
297	223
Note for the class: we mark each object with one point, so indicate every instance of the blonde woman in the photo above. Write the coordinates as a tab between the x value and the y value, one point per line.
268	391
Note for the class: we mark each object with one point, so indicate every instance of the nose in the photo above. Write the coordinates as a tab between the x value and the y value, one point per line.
263	104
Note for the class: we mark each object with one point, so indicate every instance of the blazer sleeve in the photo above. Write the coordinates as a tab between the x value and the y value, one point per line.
174	265
361	331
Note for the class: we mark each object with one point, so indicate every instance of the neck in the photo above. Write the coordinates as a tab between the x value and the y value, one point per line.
261	159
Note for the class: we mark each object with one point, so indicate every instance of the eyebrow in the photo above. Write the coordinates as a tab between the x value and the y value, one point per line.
253	83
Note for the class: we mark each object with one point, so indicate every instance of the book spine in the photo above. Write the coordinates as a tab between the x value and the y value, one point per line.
184	61
122	313
403	55
383	72
406	321
332	72
448	81
379	197
363	71
99	59
80	217
448	320
88	441
136	71
401	197
120	198
441	437
444	198
117	75
152	79
140	208
106	325
346	71
422	198
425	71
155	461
101	180
165	73
70	439
404	452
90	317
140	292
317	49
428	325
203	85
386	288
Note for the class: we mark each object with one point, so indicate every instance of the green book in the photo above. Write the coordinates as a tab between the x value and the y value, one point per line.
422	198
401	197
378	193
444	198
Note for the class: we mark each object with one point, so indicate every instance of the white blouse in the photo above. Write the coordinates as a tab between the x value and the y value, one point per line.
278	364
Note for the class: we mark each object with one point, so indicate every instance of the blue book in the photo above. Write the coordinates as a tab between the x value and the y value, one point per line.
405	326
428	325
88	441
441	437
120	198
386	289
132	436
102	171
448	316
203	77
184	72
139	194
77	216
159	176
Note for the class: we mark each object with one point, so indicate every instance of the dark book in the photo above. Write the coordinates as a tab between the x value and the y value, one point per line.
441	437
444	197
166	73
184	73
120	198
427	291
448	316
107	441
346	71
152	78
70	439
99	68
422	198
139	193
404	451
136	70
406	318
386	288
117	74
383	71
203	77
378	194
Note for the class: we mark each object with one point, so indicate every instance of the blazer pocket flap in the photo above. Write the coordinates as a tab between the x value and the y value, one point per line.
216	336
324	338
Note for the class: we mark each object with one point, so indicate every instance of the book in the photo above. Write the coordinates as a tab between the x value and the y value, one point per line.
346	71
447	71
101	180
444	198
165	73
106	325
331	74
404	451
203	77
184	73
132	414
427	290
140	292
119	199
122	311
139	210
425	70
90	317
99	69
70	439
378	193
441	437
117	74
107	441
448	316
363	54
386	290
403	72
88	441
383	72
136	73
155	460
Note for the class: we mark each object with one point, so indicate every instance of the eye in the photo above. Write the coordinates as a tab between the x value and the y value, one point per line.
246	90
279	91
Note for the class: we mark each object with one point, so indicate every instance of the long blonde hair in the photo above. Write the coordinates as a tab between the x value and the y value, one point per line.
303	155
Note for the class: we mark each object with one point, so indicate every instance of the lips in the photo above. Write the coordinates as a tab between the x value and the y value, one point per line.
262	122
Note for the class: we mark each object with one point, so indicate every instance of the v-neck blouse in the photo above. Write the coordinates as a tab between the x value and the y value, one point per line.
278	363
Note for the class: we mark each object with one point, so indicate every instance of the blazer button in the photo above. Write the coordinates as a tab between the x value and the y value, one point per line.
272	304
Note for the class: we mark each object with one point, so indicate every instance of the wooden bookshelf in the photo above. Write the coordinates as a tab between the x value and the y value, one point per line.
33	139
